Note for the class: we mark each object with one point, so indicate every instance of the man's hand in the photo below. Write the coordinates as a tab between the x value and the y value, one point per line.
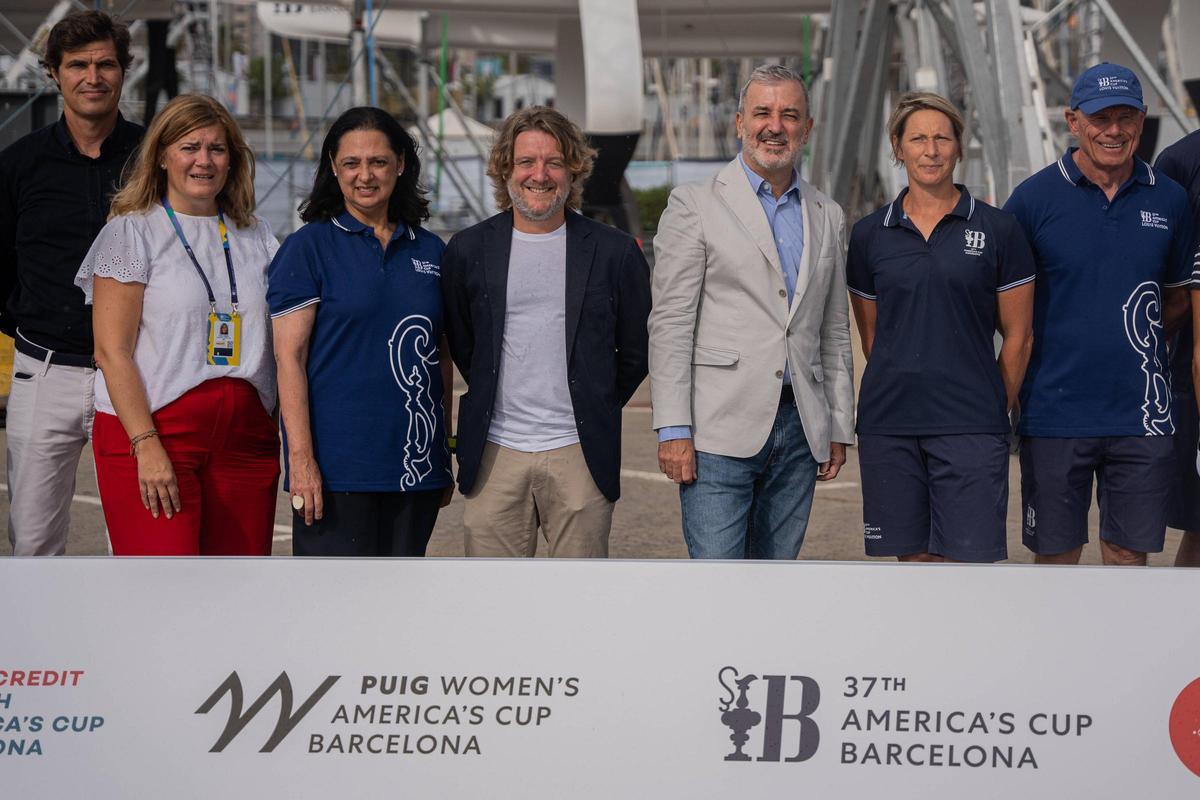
827	471
677	460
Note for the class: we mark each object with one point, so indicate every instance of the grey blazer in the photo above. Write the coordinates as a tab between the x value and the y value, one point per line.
721	327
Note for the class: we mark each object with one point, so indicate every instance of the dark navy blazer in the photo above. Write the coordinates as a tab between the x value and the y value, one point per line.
608	301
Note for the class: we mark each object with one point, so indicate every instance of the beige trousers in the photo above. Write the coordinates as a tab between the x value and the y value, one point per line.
517	492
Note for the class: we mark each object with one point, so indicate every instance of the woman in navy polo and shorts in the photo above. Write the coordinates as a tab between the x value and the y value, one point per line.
364	379
932	276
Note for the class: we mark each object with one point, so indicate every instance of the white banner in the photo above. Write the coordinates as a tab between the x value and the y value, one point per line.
205	678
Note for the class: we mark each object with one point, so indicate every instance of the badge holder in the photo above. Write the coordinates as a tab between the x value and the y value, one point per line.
224	338
224	348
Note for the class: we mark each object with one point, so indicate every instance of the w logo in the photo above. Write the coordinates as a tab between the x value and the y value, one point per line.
975	239
239	720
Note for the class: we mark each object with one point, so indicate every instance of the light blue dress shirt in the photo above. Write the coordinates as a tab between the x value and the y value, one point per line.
787	229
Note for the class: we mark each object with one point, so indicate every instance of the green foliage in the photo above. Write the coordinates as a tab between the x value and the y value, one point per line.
651	204
254	74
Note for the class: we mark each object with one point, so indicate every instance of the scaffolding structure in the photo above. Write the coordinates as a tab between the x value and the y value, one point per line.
1008	63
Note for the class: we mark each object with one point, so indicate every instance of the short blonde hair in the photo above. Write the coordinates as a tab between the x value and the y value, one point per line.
146	182
577	154
913	102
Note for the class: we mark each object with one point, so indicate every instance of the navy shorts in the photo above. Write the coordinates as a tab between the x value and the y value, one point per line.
1183	509
1133	481
946	495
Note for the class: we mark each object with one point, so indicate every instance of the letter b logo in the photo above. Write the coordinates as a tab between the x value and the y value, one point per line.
786	716
804	727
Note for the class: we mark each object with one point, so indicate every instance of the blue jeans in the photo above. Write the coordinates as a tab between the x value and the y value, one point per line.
754	507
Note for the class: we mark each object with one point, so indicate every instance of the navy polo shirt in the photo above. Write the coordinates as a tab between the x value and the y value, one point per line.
933	364
1181	163
1099	363
374	379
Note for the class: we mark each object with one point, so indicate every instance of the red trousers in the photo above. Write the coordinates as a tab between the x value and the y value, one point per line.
225	451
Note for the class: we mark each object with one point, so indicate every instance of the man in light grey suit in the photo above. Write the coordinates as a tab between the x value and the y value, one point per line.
750	364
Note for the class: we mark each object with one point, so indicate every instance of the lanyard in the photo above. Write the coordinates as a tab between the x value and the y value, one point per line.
212	299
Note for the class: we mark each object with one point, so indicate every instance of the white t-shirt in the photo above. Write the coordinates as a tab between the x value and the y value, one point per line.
171	348
533	410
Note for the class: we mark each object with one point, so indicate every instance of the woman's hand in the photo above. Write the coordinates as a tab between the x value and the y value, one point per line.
291	333
305	480
156	479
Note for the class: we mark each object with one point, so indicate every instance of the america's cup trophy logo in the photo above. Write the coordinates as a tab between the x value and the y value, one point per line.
736	713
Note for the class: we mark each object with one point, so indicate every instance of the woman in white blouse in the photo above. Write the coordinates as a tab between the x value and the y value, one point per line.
187	454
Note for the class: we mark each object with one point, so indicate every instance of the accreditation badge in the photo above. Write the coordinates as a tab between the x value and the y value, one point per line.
224	339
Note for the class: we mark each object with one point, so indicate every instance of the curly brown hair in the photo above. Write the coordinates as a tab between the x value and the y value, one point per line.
572	141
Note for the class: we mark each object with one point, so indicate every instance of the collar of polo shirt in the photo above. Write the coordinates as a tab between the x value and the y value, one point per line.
964	208
350	224
1142	172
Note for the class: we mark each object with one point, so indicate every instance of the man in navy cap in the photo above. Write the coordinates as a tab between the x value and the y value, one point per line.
1113	243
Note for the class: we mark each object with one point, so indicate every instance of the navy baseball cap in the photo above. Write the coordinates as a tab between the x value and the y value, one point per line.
1106	85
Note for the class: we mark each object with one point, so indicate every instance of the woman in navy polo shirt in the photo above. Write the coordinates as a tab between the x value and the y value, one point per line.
356	305
932	275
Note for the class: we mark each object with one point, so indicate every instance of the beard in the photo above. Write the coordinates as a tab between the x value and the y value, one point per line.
768	161
557	203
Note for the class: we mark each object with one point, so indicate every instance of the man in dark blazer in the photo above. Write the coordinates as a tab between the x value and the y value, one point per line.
546	319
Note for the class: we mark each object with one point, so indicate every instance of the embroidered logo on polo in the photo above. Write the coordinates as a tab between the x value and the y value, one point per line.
1151	219
413	354
426	268
975	241
1143	328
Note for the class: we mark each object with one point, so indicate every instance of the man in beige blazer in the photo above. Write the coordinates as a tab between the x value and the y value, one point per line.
750	364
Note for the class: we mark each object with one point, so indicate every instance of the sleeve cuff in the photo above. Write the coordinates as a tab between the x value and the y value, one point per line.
283	312
671	432
1015	284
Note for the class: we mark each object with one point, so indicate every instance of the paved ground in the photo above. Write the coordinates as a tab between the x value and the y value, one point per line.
646	523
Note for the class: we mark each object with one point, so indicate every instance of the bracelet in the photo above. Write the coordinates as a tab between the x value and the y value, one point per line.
141	437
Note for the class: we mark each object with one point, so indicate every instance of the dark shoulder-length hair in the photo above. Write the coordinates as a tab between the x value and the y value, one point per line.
407	203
